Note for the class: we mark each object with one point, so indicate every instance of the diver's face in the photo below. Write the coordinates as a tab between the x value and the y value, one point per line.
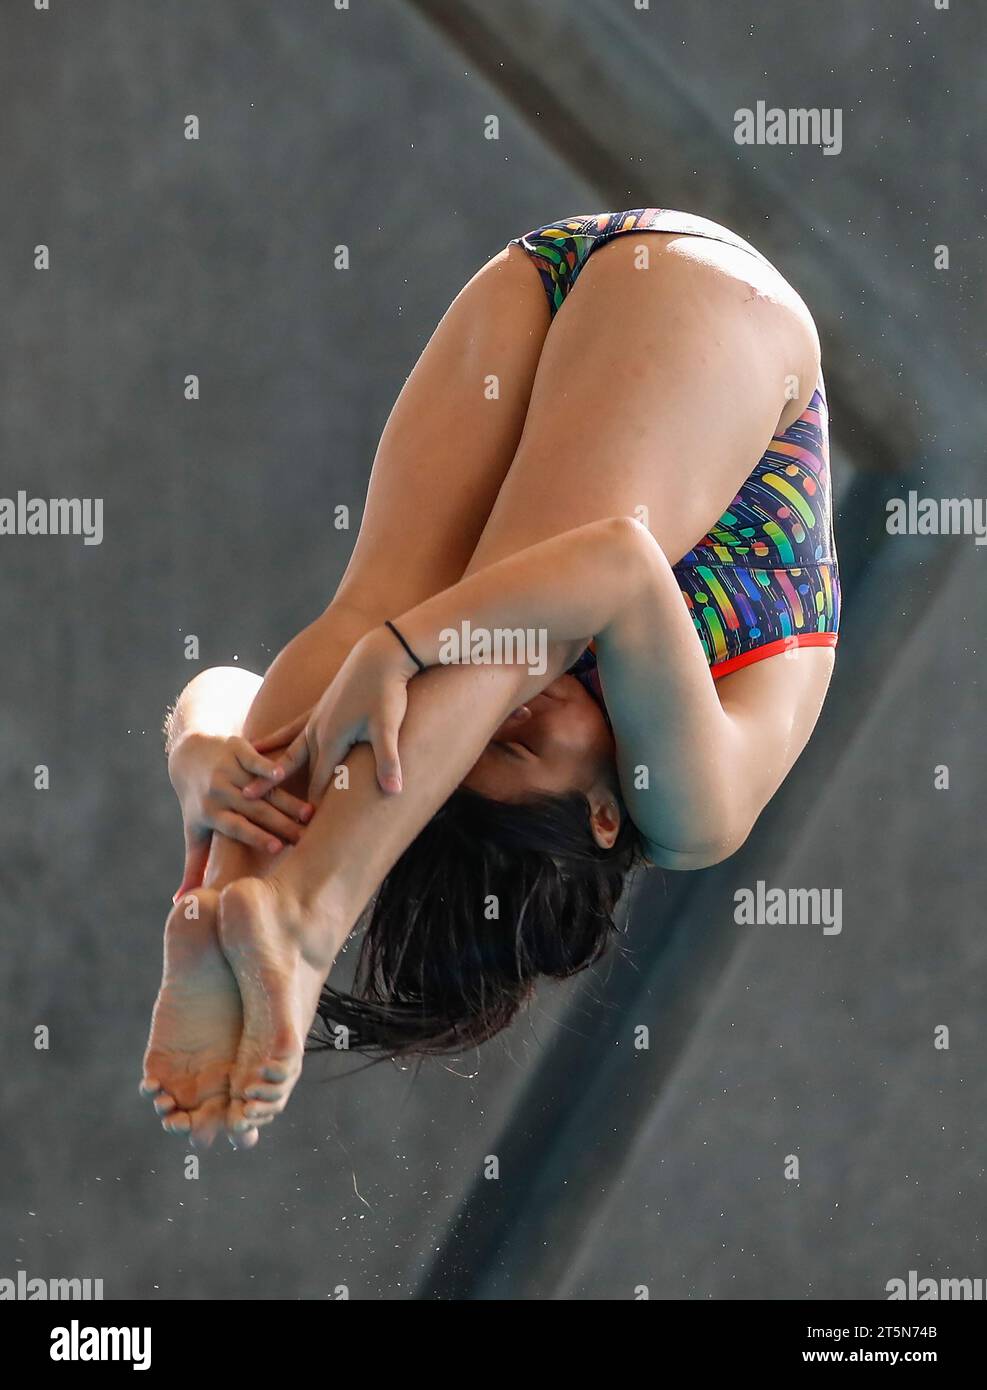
558	742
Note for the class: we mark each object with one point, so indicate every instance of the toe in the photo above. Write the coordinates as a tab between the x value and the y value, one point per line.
262	1112
263	1093
259	1121
271	1078
246	1140
236	1122
207	1121
241	1128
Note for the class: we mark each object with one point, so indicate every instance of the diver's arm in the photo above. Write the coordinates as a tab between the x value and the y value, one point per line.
208	720
699	759
216	703
681	759
697	763
359	832
209	760
569	587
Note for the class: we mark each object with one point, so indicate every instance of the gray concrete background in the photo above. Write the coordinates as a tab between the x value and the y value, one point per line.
215	257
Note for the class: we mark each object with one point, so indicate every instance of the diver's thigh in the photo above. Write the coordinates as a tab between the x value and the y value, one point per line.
656	393
450	439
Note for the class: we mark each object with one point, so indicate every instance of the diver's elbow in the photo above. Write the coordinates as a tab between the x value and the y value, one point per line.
700	853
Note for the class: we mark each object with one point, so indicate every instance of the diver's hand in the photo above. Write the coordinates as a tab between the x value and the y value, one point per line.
365	703
209	773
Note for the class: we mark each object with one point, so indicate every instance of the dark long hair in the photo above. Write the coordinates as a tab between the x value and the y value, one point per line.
490	896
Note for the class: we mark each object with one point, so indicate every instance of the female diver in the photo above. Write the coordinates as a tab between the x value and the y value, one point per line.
615	440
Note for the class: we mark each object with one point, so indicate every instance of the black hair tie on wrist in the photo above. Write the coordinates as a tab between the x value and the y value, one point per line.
419	664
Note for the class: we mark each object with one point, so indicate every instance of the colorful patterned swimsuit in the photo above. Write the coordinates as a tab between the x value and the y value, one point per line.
765	577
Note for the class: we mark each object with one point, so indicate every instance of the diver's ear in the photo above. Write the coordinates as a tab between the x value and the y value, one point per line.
604	817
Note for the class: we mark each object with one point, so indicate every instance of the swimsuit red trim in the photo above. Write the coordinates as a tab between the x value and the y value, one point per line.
805	639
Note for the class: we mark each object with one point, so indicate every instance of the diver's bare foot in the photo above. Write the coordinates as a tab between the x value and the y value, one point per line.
196	1025
260	938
